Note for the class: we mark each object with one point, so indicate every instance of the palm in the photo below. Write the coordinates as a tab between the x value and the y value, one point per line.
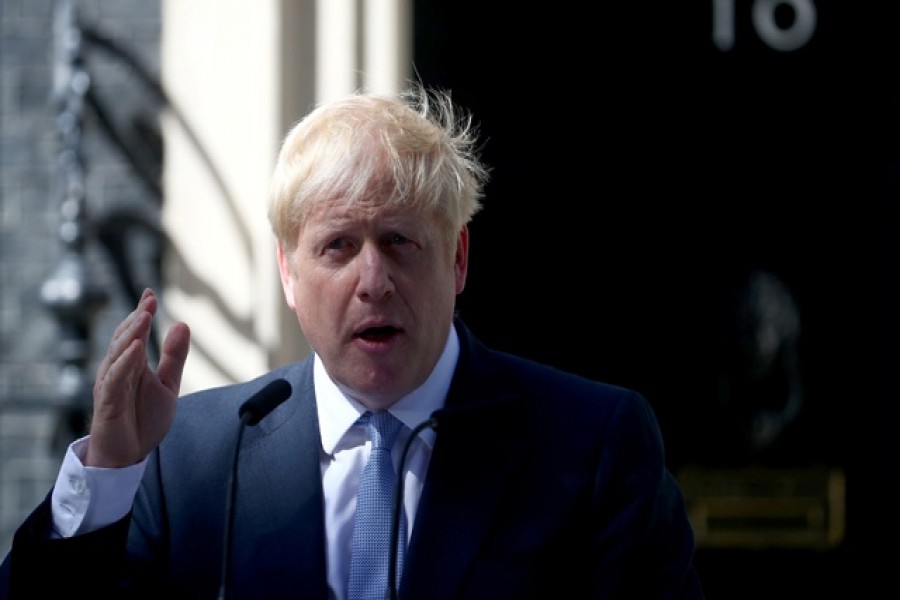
133	405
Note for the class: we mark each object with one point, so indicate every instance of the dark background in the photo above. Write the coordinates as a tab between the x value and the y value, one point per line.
640	173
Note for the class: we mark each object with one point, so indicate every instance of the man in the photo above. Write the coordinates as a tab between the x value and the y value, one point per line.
533	483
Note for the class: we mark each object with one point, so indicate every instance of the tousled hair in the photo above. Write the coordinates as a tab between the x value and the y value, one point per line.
415	149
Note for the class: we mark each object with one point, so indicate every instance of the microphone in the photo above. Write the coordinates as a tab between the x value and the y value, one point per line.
264	401
431	422
252	411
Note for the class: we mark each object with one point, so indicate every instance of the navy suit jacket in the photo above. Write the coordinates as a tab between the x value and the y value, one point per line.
542	484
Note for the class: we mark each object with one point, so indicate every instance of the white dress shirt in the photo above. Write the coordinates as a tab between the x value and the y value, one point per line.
87	498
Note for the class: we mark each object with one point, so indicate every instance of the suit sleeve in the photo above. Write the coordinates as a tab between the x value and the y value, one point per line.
645	542
38	566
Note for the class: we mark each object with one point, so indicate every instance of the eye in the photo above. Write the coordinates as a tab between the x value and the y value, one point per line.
339	249
338	244
398	239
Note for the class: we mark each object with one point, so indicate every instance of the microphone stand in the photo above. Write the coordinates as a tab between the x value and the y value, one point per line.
391	592
252	411
229	510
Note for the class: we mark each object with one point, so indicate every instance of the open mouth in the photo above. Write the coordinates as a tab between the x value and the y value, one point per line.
378	334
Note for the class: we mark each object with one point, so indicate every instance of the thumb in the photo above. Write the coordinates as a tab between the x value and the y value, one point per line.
174	355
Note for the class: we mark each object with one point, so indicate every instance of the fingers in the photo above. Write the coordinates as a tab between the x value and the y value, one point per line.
126	358
135	326
116	387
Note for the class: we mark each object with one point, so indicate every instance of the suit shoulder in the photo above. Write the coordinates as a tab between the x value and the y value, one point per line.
220	404
584	415
541	378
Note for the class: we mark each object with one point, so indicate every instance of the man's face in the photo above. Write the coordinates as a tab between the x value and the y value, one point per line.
374	290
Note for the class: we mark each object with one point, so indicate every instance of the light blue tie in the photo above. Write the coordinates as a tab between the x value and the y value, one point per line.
371	541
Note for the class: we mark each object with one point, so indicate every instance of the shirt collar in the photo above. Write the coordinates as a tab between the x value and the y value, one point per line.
337	412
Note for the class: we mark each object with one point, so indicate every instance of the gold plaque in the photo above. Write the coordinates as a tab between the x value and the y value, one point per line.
765	507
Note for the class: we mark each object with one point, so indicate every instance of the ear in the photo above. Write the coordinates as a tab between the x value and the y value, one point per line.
287	276
461	259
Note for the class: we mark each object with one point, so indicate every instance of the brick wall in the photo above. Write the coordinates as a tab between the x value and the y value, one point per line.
33	428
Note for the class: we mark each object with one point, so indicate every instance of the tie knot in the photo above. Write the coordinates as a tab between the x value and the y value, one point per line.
383	428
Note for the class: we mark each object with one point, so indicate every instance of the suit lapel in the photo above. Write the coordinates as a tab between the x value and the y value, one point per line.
471	465
280	539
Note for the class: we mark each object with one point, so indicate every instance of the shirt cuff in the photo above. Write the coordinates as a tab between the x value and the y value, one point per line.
85	499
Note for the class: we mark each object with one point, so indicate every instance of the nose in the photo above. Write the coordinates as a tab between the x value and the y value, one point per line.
375	280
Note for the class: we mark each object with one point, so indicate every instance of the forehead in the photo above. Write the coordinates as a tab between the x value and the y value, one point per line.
338	213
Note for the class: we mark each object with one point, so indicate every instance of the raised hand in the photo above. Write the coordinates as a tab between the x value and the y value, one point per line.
133	405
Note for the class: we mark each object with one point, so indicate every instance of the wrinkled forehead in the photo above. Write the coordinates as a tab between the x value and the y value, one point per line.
385	212
345	208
